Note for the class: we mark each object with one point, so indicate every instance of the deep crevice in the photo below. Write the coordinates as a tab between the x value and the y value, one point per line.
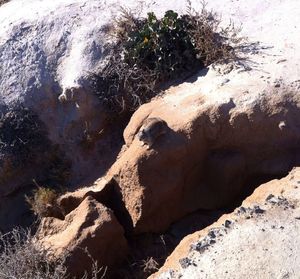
149	251
111	197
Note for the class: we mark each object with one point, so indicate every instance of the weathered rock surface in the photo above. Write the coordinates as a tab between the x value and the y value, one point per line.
259	239
89	233
47	50
208	157
227	130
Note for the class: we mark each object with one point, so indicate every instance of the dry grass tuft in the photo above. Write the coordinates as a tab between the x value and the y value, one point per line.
21	258
43	203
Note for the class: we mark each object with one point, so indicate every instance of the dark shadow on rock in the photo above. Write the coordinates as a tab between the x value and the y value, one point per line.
111	197
188	77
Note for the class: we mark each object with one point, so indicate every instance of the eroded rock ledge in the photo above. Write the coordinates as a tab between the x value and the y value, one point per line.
211	154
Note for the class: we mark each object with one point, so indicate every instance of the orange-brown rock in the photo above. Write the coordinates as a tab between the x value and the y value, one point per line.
91	231
214	148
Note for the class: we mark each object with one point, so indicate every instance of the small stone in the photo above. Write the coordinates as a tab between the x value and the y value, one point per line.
200	246
282	125
258	210
270	197
212	234
227	224
225	81
243	209
185	262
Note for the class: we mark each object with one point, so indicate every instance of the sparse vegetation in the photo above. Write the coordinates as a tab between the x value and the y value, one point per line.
57	168
22	138
22	135
43	203
152	51
24	142
21	258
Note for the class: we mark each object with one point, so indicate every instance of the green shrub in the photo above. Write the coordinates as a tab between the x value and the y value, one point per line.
152	51
162	46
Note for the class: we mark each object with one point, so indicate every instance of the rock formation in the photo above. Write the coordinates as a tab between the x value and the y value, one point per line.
90	233
259	239
228	128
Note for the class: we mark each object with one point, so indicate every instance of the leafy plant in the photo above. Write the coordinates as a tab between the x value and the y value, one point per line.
152	51
162	46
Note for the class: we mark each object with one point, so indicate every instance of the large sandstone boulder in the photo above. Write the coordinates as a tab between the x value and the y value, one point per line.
259	239
212	152
228	129
233	127
90	233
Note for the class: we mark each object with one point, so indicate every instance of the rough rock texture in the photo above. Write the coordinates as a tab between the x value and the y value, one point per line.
47	50
228	128
259	239
90	226
233	126
211	153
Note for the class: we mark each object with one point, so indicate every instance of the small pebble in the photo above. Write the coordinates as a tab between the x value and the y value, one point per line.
212	234
269	197
227	224
258	210
185	262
